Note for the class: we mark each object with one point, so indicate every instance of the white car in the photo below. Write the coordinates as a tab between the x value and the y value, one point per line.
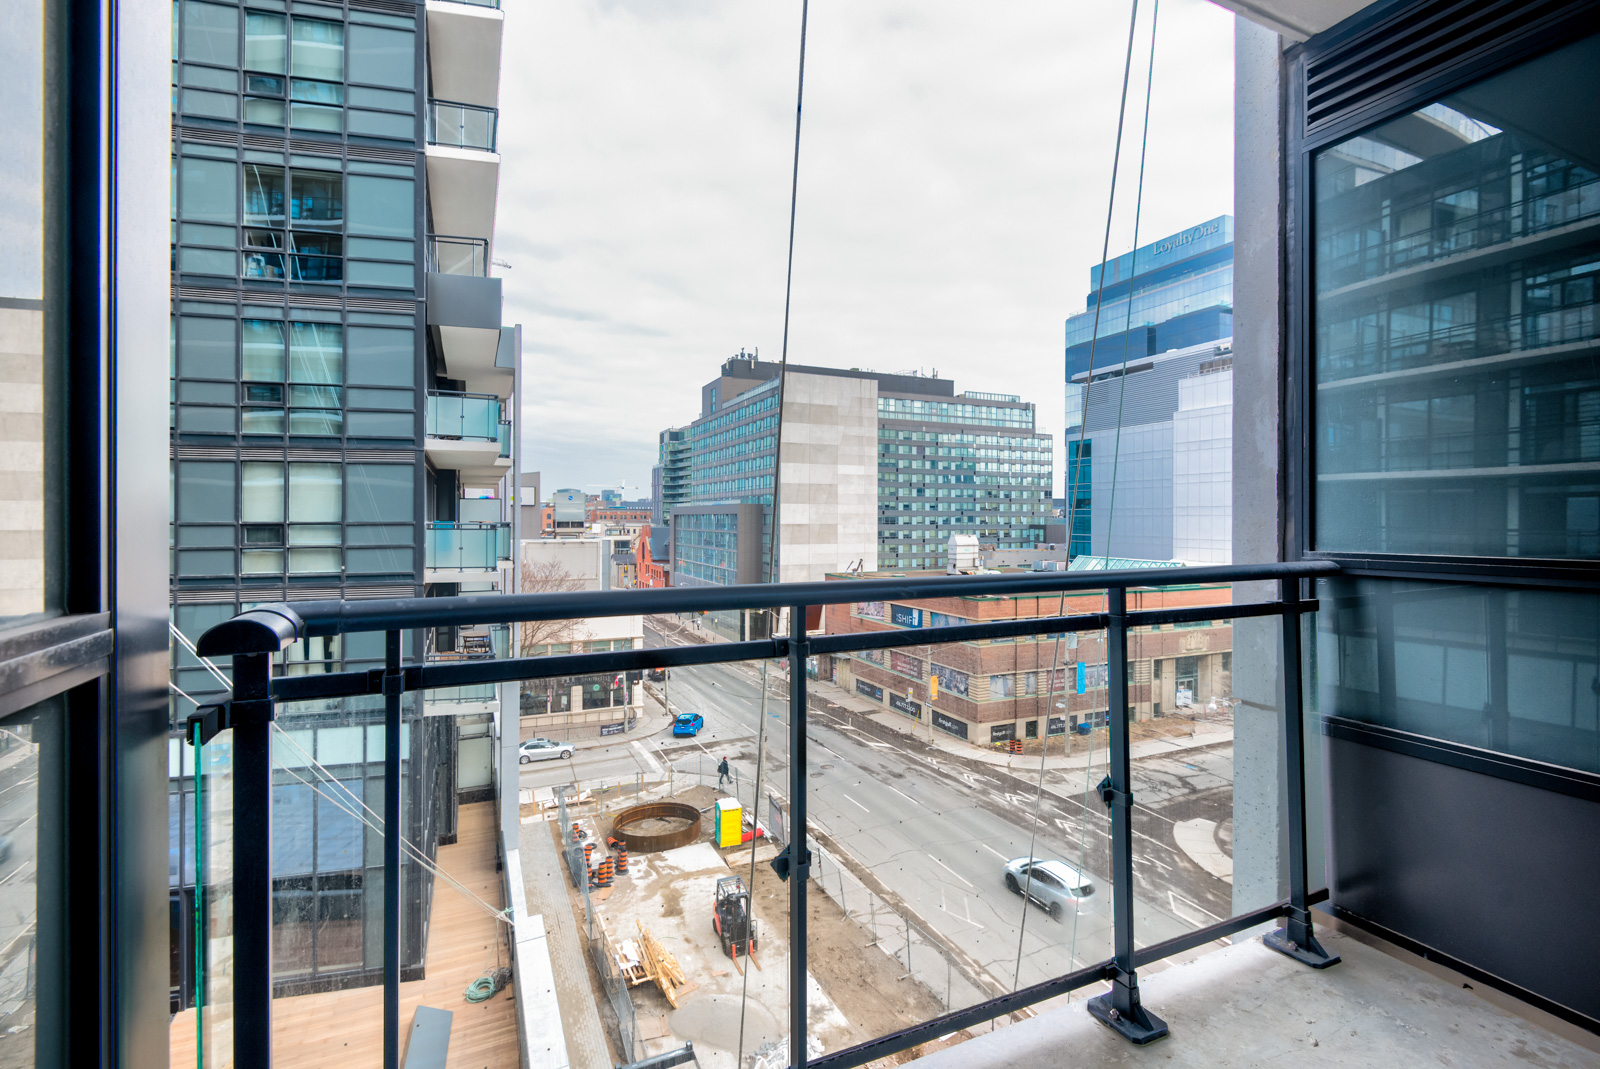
543	750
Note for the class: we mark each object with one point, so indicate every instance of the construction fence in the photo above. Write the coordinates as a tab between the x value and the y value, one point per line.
616	987
894	933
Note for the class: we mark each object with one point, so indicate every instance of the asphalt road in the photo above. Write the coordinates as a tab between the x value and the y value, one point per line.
934	829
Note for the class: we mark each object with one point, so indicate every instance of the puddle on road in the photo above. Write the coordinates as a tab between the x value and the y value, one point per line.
714	1021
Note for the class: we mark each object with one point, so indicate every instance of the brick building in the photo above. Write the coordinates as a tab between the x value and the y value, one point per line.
994	690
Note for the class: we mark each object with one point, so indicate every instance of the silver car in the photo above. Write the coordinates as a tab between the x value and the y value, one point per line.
1054	885
543	750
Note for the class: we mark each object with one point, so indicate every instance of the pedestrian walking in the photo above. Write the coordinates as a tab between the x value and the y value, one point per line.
722	773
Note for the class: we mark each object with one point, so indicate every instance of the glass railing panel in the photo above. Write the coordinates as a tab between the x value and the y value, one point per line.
963	853
472	417
1206	741
594	747
458	256
461	125
505	438
467	546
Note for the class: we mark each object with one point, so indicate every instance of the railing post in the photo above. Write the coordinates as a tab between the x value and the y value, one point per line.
1120	1008
1295	938
800	857
251	713
393	687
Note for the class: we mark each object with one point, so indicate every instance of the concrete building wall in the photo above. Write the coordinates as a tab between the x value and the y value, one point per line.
1202	469
588	560
828	464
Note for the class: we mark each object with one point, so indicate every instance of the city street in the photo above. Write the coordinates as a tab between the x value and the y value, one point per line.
934	830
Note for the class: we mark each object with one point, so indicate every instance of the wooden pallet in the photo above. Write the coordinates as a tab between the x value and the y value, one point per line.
662	967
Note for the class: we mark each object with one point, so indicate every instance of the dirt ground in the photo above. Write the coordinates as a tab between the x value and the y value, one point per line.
857	992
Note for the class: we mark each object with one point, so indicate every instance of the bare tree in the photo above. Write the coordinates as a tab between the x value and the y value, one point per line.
548	577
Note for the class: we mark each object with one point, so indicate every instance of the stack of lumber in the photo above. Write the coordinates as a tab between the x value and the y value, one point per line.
662	967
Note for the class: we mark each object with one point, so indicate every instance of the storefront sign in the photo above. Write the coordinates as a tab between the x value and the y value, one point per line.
613	729
870	690
1002	733
905	705
950	724
905	616
1058	725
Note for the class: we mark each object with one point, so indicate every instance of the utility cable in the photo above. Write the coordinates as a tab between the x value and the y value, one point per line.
773	543
376	822
1133	264
1075	467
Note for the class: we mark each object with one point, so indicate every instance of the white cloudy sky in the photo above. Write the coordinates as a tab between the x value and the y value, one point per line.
954	168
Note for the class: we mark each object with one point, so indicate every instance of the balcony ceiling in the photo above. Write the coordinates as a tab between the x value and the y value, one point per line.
464	52
479	463
462	184
469	355
1295	19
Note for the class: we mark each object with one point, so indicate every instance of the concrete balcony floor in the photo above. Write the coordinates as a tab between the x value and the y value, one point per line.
1245	1005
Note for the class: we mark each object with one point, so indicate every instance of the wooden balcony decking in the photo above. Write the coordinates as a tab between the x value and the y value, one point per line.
343	1029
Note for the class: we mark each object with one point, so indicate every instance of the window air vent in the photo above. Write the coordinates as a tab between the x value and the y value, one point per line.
319	148
406	455
261	453
270	144
1428	40
311	300
374	304
206	136
381	155
203	452
191	293
355	593
324	456
226	595
395	7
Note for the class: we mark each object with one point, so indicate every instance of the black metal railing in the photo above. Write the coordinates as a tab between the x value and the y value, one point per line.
252	639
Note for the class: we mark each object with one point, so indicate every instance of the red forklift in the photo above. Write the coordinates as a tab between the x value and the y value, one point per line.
732	920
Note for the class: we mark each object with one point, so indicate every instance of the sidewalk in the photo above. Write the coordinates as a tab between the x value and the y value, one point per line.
651	719
1205	735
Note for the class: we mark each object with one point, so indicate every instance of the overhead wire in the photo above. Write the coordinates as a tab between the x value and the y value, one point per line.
1075	467
773	543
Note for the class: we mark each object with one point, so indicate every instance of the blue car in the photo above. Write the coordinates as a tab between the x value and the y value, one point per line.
688	724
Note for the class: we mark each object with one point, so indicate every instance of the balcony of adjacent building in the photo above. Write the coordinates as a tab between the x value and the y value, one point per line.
464	42
464	551
463	167
463	308
469	433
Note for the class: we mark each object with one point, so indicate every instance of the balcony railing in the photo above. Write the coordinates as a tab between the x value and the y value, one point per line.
462	125
449	255
477	3
467	547
471	417
479	510
254	637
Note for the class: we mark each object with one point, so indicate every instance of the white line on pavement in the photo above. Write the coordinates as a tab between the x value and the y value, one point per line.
995	852
948	869
903	794
648	758
863	808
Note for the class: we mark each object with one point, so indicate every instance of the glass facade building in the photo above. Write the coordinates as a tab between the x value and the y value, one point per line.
342	392
947	464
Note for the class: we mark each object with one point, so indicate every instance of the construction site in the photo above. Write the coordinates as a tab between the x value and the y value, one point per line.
683	928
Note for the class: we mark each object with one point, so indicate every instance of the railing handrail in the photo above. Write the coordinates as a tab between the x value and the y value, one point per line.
466	393
337	617
436	101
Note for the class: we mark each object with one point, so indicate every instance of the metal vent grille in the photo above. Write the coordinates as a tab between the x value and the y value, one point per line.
311	300
357	593
192	293
1428	40
407	456
204	136
202	452
225	595
317	148
375	304
381	155
393	7
261	141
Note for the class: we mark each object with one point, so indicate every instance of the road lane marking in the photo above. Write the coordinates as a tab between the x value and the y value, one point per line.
995	852
863	808
948	869
649	759
903	794
959	917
